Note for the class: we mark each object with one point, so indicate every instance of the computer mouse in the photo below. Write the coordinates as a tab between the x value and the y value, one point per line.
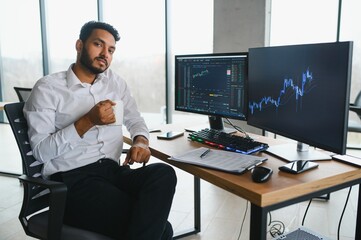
261	174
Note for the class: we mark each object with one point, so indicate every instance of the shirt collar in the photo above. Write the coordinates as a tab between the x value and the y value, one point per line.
73	80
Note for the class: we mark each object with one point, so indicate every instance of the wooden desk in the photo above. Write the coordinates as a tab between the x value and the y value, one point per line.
281	190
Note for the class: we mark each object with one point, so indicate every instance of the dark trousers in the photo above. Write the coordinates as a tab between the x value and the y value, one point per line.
120	202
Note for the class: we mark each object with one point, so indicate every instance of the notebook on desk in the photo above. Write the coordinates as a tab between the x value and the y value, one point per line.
219	159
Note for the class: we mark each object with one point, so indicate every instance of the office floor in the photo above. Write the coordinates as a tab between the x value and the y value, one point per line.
221	213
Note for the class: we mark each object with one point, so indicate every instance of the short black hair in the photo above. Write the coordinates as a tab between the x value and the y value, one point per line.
88	28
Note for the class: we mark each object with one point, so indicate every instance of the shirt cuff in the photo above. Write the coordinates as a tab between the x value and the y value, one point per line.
70	133
144	134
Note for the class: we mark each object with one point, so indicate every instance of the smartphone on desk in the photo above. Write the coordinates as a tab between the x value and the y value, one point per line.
298	166
170	135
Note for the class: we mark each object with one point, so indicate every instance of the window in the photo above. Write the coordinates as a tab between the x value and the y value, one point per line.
64	21
296	22
349	16
140	54
20	46
20	65
190	31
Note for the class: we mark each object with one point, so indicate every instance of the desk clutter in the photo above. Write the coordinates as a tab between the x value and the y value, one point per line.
219	159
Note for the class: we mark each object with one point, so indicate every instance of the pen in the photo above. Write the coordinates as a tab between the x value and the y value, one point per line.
205	153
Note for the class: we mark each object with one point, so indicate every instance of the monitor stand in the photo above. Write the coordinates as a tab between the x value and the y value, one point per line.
300	151
216	123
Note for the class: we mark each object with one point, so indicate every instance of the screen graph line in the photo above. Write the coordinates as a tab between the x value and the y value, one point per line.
307	84
201	74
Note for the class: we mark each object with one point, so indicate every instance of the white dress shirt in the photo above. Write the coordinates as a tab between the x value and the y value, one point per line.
57	101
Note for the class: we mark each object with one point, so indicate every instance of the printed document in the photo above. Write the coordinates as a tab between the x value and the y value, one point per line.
219	159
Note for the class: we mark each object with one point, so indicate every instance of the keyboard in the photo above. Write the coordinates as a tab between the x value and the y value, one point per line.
226	141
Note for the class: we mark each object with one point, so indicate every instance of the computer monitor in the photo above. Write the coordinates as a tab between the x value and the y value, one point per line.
213	85
301	92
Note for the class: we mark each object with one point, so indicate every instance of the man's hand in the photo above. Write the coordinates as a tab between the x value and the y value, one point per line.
139	152
101	114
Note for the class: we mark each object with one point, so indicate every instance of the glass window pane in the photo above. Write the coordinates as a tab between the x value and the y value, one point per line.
349	32
64	20
140	54
191	28
303	21
20	65
190	32
20	46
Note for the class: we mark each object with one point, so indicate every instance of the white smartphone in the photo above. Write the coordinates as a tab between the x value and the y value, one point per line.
170	135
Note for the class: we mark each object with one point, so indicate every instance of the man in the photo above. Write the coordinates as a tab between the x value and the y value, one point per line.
70	116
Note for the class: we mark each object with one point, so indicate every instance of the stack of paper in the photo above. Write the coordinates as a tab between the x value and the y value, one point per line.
219	159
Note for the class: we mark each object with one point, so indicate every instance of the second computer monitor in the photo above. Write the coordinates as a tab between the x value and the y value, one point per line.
302	92
212	84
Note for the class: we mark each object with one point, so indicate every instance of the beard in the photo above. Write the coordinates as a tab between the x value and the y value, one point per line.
87	62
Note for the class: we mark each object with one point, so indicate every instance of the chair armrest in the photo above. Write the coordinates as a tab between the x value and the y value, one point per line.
57	199
42	182
355	109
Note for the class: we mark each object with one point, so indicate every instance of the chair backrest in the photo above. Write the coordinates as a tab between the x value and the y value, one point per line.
31	167
23	93
37	198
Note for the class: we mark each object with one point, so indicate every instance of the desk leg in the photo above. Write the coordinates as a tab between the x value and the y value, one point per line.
358	217
197	204
197	211
258	228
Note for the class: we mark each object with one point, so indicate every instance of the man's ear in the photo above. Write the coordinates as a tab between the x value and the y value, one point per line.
79	45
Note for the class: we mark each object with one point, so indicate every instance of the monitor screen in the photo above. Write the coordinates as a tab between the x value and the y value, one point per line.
212	84
301	92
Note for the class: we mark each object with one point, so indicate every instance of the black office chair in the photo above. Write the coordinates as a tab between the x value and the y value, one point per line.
42	195
23	93
354	125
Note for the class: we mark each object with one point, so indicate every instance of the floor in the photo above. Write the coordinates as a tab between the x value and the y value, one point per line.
222	213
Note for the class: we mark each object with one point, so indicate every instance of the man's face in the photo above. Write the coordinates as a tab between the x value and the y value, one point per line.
97	51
